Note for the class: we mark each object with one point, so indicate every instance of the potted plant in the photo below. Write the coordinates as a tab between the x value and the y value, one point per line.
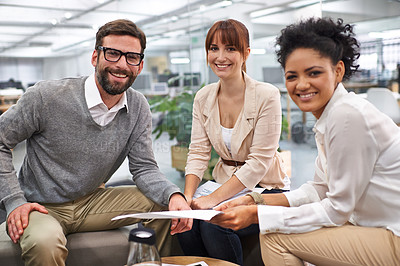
176	120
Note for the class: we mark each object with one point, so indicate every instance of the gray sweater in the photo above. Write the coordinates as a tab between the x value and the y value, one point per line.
68	154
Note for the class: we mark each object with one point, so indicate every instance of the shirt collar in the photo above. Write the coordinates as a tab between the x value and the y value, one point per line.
93	97
337	94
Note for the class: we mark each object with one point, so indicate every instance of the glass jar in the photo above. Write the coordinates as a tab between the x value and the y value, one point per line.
142	247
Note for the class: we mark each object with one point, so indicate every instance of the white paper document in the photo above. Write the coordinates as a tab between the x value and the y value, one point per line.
195	214
204	190
210	186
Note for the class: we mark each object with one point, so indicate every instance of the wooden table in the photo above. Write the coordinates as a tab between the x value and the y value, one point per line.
184	260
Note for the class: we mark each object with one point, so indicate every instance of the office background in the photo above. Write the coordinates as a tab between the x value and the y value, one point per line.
46	39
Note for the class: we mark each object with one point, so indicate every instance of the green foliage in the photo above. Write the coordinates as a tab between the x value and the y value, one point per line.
285	128
177	116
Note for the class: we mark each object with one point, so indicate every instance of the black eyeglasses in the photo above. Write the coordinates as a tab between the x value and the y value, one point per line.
113	55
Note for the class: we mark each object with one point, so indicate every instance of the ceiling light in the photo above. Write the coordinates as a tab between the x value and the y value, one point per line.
223	3
264	12
180	60
304	3
68	15
54	21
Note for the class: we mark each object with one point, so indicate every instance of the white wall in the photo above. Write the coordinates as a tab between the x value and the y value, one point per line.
79	65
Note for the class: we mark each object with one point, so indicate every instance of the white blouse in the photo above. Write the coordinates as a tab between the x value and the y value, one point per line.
357	174
227	137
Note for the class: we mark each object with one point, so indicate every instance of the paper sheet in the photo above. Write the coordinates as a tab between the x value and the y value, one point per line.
206	215
195	214
210	186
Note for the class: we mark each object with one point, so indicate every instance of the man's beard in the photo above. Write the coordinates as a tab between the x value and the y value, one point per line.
114	88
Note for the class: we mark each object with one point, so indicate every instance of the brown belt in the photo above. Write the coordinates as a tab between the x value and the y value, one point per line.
232	163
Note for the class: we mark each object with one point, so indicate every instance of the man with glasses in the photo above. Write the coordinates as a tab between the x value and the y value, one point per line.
78	132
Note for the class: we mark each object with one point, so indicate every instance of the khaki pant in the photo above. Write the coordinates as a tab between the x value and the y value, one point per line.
43	241
344	245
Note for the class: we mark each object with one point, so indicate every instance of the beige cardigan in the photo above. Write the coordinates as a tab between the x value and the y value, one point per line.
255	137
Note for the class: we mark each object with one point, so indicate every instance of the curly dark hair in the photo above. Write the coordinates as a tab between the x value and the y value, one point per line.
333	40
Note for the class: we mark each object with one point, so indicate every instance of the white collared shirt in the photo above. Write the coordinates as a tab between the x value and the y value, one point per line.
357	175
98	110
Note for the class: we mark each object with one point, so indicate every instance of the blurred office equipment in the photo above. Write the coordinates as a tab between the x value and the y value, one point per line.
159	88
191	79
11	84
142	82
168	78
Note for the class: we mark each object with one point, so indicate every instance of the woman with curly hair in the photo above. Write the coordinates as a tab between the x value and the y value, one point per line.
349	214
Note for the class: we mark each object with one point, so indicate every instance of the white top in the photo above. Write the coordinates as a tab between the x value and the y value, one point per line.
227	136
357	175
99	111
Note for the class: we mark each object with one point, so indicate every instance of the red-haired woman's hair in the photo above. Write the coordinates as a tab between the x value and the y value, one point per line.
230	32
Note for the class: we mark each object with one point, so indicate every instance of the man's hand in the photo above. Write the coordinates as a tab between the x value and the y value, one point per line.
178	202
237	217
241	201
18	219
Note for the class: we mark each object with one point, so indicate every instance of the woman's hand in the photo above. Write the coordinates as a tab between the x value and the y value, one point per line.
243	200
203	203
237	217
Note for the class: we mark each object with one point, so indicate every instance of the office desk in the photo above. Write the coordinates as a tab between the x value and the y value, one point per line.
6	101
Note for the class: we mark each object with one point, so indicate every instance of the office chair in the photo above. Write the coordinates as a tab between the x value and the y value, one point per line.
385	101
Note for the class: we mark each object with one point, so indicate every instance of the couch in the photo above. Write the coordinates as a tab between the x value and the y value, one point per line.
108	248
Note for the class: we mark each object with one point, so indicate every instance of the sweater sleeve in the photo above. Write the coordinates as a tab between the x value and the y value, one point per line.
16	125
142	164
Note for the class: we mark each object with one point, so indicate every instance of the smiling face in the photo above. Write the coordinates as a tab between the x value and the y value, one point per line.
311	79
225	60
114	78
